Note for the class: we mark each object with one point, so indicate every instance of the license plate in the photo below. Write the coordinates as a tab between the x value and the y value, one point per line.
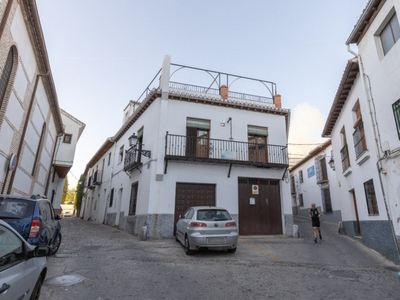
216	240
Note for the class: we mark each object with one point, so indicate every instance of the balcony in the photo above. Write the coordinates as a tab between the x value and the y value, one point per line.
97	177
132	160
194	149
90	184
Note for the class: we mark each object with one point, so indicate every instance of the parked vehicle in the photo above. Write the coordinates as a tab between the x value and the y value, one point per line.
33	218
23	267
207	227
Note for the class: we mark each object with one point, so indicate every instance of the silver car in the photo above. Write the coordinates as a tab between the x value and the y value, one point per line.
23	267
207	227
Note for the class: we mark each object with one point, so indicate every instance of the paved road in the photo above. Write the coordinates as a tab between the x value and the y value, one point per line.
116	265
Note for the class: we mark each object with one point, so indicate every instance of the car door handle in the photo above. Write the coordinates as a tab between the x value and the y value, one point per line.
4	288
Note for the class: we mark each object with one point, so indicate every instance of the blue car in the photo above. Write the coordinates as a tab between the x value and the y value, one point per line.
33	218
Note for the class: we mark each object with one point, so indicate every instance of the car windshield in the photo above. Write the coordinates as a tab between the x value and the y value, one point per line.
15	208
213	215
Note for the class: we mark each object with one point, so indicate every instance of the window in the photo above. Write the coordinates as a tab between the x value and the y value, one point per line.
6	74
133	200
111	198
197	137
396	112
257	139
320	166
292	185
371	198
344	152
390	34
301	176
39	148
109	158
360	144
67	138
121	154
11	249
301	202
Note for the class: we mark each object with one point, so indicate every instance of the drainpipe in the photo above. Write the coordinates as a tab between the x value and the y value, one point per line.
377	143
27	120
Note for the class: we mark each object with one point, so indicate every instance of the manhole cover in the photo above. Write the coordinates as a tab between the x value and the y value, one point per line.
64	280
345	274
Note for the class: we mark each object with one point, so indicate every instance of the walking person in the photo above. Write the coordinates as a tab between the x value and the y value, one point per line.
315	214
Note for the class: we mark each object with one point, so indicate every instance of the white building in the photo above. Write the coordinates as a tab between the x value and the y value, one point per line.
198	144
364	125
312	180
32	126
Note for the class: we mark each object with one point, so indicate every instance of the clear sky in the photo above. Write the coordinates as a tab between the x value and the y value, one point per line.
104	53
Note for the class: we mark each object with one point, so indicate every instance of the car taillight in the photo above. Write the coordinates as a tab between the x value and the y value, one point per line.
35	226
230	224
198	224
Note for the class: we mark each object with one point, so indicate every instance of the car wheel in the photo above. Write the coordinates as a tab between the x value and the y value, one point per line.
232	250
187	246
56	244
36	291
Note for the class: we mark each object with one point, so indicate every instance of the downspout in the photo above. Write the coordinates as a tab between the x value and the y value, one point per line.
377	141
27	120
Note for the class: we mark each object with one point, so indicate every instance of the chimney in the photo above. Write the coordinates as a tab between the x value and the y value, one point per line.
277	101
223	91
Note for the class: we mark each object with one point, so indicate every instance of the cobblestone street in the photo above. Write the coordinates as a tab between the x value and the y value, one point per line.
117	265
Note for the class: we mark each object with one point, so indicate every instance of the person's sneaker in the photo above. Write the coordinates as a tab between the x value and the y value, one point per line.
320	237
315	240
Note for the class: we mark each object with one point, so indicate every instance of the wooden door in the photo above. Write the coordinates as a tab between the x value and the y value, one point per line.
192	194
258	148
259	206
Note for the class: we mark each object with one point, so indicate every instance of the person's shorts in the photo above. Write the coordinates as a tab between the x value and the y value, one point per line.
315	223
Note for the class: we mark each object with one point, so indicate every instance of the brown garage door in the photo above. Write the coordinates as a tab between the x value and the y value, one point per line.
192	194
259	206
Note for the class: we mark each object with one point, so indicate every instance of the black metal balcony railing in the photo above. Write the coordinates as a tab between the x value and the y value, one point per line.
130	161
360	144
90	184
97	177
344	154
180	147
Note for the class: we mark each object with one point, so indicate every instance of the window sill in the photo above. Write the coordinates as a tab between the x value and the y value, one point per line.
362	158
347	172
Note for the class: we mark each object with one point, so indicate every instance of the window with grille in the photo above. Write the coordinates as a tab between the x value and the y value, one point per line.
121	154
396	112
320	169
344	152
371	198
6	74
111	197
360	144
301	202
301	176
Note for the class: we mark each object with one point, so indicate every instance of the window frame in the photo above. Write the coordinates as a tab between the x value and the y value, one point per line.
67	139
372	203
394	35
133	198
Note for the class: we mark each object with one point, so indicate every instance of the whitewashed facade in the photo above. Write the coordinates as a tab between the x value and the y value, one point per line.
31	123
146	195
364	125
312	180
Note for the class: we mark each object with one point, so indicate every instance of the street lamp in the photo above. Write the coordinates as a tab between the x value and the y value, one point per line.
331	163
133	142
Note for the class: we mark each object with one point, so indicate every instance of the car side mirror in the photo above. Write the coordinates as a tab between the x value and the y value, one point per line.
58	217
39	251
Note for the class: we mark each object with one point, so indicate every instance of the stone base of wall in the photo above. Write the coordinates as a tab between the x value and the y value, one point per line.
289	225
161	226
376	235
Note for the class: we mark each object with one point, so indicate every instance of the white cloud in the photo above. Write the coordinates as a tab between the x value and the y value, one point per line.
306	126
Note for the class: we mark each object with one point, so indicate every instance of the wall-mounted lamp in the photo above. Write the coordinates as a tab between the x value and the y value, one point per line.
331	163
133	141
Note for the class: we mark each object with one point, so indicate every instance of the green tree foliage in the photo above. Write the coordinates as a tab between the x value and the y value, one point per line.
65	191
79	193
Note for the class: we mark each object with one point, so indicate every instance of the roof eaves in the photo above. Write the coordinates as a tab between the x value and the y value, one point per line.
345	86
311	154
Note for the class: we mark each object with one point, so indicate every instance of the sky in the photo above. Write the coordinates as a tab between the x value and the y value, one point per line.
104	53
